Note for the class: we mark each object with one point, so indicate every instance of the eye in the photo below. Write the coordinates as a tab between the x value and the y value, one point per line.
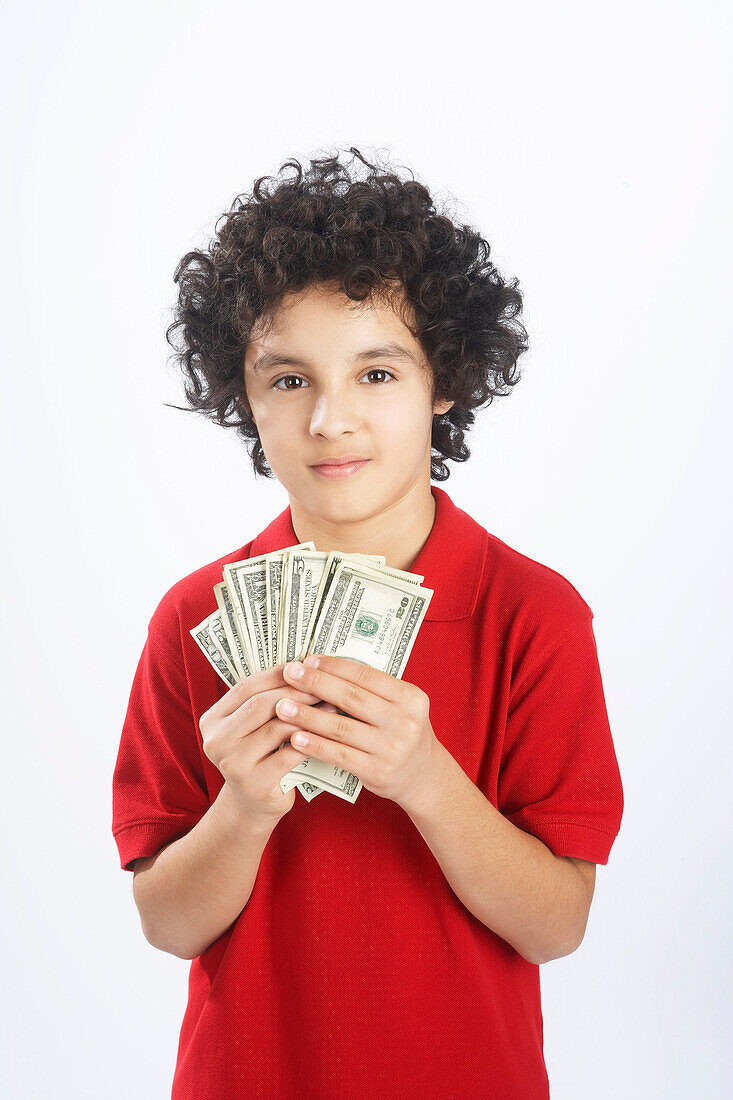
379	370
285	377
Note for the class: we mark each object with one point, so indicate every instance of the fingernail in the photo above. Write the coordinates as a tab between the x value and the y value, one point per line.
287	706
295	669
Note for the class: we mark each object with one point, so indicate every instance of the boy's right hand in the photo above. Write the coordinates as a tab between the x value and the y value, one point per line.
243	736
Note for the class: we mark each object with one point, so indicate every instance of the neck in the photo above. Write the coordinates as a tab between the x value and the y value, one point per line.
398	533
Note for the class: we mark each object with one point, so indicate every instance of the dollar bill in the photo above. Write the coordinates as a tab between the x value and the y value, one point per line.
371	615
240	655
281	606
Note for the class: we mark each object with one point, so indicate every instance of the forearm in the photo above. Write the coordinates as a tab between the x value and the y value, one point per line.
198	885
507	878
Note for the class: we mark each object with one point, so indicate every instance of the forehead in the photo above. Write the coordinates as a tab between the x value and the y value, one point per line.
320	314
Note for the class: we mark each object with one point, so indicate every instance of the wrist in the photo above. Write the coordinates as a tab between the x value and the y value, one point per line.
422	803
236	817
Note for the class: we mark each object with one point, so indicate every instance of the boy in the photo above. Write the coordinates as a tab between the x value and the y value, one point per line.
389	946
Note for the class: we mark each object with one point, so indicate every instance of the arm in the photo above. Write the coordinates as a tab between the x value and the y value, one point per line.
536	901
194	888
513	883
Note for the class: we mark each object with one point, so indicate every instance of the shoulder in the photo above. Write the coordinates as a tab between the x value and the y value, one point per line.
533	601
189	600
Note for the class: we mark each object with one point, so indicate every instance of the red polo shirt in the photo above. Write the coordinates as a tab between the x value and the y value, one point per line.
354	970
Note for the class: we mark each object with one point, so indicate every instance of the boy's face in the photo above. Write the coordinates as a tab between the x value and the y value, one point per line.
332	404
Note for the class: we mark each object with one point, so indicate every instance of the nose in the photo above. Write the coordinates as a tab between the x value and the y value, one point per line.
334	413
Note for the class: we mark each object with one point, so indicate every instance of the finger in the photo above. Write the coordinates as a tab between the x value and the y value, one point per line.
371	679
280	763
260	681
232	699
280	732
255	710
276	731
341	755
266	740
336	727
345	693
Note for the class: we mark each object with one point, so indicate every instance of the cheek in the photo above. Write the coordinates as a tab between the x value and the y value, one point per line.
273	423
406	422
277	436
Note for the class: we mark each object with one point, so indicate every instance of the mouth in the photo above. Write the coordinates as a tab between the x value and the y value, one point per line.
340	461
340	467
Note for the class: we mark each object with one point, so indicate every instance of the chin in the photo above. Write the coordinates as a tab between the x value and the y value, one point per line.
350	509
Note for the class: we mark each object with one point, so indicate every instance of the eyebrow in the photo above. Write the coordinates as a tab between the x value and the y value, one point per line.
267	360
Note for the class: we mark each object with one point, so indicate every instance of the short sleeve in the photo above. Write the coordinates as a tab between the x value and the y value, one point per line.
158	786
559	777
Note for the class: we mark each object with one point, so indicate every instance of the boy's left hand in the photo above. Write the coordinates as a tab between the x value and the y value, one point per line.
385	737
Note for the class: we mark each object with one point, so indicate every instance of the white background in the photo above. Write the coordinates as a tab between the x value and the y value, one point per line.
591	147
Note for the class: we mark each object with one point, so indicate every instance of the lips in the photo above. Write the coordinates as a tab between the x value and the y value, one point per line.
347	460
341	468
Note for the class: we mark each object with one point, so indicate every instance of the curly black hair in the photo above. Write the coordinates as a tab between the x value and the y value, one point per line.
364	237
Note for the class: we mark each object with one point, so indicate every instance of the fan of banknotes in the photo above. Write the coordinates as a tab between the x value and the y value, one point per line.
281	606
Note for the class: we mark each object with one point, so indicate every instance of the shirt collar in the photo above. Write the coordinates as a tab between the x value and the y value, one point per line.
451	560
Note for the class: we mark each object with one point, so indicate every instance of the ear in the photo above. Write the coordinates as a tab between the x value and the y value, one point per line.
442	407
